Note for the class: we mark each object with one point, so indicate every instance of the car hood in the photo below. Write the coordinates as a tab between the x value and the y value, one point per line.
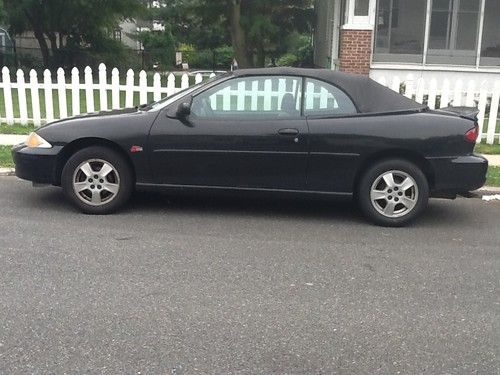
93	115
112	125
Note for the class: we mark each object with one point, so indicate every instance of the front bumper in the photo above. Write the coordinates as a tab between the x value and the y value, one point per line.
458	174
38	165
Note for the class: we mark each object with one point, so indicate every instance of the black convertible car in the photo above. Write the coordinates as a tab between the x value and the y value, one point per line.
278	130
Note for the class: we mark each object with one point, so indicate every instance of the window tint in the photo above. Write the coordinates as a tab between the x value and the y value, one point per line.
251	97
322	98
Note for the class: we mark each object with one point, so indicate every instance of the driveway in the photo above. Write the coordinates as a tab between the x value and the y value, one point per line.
185	285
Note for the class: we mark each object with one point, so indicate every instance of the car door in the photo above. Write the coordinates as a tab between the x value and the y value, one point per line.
246	132
334	137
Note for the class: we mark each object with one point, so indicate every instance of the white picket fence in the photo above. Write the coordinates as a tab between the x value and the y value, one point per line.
40	102
53	99
483	95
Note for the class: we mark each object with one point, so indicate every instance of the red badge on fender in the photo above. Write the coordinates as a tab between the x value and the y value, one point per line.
135	149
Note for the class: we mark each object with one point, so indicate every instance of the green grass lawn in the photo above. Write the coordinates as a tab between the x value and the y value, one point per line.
483	148
5	156
493	176
16	129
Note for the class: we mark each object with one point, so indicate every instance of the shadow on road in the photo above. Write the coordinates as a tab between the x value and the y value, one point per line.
440	212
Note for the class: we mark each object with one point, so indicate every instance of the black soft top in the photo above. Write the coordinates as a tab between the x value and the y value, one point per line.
368	95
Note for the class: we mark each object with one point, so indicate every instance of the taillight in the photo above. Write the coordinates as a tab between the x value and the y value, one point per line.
472	134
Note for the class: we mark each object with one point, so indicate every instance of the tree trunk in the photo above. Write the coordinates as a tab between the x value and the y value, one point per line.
261	56
40	37
56	58
238	35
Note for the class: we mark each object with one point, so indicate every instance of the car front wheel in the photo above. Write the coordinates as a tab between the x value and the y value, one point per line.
393	193
97	180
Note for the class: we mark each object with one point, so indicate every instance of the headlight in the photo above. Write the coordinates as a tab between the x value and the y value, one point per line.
34	141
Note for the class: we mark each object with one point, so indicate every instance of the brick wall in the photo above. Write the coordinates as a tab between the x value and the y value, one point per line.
355	51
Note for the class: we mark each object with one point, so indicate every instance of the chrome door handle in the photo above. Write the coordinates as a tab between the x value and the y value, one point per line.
288	131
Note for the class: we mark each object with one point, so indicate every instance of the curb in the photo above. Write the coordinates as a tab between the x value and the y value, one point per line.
487	190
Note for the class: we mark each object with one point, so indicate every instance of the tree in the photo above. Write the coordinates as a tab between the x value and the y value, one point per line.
255	28
59	23
159	46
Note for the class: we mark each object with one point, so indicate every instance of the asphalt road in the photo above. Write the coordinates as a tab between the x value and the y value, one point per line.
185	285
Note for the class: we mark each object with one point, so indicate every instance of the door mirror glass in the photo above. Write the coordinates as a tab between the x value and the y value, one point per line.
183	110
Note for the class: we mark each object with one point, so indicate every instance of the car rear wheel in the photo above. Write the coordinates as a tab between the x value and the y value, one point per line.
97	180
393	193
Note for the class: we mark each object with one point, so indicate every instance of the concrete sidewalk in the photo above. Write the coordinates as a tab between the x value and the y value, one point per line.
493	160
11	140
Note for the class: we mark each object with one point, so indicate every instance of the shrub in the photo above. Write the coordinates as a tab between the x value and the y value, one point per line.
288	59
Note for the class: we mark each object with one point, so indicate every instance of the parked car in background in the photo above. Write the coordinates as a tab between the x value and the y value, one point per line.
280	130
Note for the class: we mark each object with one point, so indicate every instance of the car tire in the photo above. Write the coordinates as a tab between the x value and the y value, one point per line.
393	192
97	180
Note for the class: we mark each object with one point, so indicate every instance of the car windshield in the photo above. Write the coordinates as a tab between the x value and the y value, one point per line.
156	106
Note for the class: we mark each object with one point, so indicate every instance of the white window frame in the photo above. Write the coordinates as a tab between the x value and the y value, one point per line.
354	22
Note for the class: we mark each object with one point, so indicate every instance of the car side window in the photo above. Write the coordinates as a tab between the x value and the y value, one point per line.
261	97
324	99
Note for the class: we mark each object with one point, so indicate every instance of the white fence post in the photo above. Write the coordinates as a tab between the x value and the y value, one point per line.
129	89
396	84
143	87
198	78
457	93
35	98
21	95
431	102
48	94
483	98
471	94
445	94
89	90
156	87
419	96
492	123
184	81
61	93
410	86
103	91
115	91
7	95
75	92
170	84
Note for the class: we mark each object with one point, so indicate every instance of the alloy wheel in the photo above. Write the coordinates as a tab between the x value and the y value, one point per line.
394	194
96	182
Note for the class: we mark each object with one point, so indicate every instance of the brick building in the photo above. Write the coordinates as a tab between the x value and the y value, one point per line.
427	38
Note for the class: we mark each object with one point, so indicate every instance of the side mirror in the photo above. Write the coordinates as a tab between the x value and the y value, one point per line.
183	110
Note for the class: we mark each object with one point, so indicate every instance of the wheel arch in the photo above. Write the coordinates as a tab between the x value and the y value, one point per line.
402	154
81	143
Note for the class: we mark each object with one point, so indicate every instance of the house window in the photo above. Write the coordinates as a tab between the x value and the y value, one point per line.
490	47
400	31
361	7
453	32
444	32
117	35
